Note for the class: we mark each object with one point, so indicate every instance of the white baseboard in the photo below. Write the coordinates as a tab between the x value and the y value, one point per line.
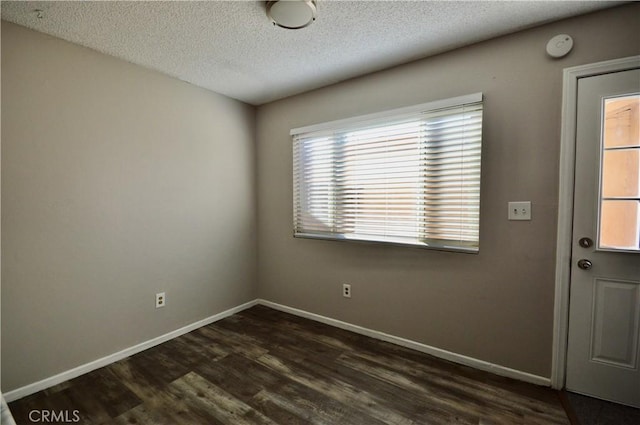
112	358
436	352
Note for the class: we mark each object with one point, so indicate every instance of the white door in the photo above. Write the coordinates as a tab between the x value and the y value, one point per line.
603	355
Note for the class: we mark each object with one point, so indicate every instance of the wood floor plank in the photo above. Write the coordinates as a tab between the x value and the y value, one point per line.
262	333
262	366
420	407
90	408
446	398
234	374
144	414
205	346
282	413
300	397
312	411
516	407
221	405
233	342
103	388
335	389
158	403
159	365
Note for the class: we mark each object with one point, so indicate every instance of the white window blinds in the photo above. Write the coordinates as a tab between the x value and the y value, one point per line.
409	176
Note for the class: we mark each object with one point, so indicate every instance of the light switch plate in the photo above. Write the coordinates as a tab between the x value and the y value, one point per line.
520	210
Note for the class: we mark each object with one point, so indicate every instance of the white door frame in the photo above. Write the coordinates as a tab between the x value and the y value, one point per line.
565	205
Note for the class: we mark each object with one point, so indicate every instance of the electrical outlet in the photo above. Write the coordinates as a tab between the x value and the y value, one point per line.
520	210
346	290
161	300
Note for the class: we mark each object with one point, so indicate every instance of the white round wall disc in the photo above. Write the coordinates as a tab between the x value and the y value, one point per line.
560	45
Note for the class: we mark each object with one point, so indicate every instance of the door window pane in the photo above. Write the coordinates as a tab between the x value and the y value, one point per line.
620	171
620	224
620	175
621	122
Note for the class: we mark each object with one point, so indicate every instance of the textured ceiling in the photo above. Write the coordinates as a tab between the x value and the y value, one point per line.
230	47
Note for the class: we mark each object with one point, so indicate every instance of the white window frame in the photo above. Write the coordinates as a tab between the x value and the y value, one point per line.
355	123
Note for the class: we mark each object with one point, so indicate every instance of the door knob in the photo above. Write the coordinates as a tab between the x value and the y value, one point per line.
585	242
585	264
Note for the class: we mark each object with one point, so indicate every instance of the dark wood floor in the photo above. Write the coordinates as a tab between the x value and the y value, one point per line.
263	366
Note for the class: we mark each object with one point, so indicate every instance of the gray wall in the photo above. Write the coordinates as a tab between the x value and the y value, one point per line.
117	183
496	306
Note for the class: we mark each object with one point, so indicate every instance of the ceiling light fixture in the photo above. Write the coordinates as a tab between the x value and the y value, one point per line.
292	14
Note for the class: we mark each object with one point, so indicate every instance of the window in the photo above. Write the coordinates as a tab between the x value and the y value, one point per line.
620	175
409	176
